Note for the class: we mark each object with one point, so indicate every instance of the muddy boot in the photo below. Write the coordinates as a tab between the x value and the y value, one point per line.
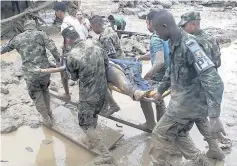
214	151
149	115
46	120
138	95
160	110
106	156
201	161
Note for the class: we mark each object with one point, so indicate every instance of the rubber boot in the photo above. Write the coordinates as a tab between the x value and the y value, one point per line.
202	161
149	115
214	151
160	110
46	120
105	155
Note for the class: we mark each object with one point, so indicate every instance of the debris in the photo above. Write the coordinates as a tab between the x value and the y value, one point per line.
4	90
165	3
4	104
230	124
120	126
29	149
71	83
46	142
8	129
34	125
142	15
131	11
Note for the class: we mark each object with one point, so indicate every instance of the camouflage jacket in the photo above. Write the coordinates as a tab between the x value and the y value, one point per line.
86	62
192	95
110	40
215	53
32	45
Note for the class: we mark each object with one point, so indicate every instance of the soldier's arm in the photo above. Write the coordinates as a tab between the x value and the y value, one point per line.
8	47
165	83
72	67
49	44
210	79
109	46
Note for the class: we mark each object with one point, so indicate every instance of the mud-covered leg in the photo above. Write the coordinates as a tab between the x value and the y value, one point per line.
47	101
113	106
38	99
118	78
149	115
64	80
88	116
214	150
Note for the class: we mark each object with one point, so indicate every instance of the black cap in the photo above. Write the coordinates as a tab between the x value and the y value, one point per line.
70	32
60	6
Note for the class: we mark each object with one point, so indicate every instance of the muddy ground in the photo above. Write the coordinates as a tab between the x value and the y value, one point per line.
17	108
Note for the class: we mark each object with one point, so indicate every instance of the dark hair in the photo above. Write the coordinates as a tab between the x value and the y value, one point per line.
70	32
60	6
96	20
151	15
111	17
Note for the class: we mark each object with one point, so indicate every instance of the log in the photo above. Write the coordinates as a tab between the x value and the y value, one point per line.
26	12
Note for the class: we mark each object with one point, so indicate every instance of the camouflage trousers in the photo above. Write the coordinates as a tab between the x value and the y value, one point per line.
88	112
168	135
39	93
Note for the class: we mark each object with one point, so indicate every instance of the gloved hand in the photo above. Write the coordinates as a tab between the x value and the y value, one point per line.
217	127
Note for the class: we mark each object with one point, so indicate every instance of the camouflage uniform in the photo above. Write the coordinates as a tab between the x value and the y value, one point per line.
203	38
214	54
86	62
32	45
193	98
110	40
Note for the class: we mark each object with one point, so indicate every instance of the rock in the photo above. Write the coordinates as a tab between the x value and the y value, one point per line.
165	3
7	128
142	15
148	4
131	11
10	81
46	142
234	9
71	83
15	117
157	7
133	45
34	125
29	149
4	104
4	90
230	124
141	7
25	101
18	74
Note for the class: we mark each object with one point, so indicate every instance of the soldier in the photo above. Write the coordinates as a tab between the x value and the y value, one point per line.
196	92
32	45
191	23
109	39
159	56
86	61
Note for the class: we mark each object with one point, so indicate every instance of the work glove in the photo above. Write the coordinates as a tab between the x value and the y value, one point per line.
216	128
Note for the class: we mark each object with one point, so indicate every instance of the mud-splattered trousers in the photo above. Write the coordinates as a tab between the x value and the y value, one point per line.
193	98
39	93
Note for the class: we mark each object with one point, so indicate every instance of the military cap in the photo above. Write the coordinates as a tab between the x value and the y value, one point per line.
29	24
70	32
186	17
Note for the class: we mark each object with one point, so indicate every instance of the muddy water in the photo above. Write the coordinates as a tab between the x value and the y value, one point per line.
61	152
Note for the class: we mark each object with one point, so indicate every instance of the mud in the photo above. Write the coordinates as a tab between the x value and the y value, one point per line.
21	149
133	149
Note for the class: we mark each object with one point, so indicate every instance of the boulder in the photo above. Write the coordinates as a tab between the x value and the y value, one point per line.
4	104
131	11
148	4
142	15
165	3
4	90
71	83
133	45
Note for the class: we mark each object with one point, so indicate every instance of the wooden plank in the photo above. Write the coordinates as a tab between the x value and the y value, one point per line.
53	94
66	124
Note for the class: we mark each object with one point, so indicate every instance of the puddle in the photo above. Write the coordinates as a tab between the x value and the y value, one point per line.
60	152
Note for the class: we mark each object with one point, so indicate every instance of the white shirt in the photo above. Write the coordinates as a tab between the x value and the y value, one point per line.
71	21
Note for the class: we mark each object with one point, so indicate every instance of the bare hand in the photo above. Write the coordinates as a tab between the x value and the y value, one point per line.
156	98
217	128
